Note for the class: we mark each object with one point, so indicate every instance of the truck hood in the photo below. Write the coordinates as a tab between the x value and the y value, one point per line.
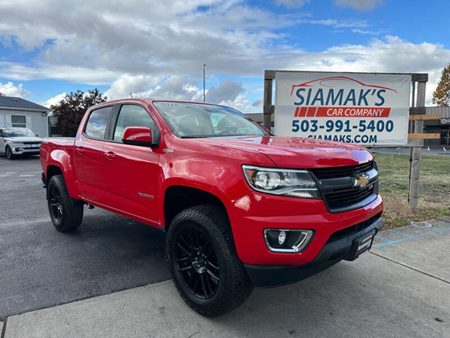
20	139
295	152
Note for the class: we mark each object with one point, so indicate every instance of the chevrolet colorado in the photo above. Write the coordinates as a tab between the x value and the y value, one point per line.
241	207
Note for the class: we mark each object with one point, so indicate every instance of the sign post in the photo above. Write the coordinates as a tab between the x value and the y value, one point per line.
416	151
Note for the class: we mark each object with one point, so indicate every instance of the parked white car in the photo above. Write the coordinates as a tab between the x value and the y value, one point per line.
18	141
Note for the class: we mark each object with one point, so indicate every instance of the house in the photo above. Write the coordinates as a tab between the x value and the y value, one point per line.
441	126
20	113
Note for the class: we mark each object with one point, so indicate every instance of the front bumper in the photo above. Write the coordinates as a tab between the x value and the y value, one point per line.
252	214
337	248
24	150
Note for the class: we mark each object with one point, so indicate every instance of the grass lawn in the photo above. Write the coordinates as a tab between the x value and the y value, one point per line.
434	188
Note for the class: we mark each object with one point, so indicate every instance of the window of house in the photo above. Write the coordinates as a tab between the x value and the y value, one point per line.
18	121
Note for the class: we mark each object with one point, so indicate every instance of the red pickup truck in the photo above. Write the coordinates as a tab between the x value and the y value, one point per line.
240	206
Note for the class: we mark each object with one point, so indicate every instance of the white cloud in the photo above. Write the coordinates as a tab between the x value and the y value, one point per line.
229	93
292	3
96	42
55	99
225	91
391	54
336	23
157	87
160	51
127	84
10	89
362	5
44	71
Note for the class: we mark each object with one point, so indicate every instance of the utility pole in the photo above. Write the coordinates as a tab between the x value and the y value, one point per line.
204	71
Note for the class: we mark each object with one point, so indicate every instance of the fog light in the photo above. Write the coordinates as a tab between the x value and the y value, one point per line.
283	240
281	237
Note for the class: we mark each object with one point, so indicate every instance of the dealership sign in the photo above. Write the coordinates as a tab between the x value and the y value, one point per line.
358	108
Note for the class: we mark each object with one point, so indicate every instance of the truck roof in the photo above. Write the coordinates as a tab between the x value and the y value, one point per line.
150	101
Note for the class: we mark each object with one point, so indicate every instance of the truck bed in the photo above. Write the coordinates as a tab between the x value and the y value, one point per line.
48	145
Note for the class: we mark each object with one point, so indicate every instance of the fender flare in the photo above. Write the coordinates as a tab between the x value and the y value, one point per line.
183	182
62	160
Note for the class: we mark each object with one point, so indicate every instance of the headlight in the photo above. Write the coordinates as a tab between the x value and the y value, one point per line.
16	144
287	182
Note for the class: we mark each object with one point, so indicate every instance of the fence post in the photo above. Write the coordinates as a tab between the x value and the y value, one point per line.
414	174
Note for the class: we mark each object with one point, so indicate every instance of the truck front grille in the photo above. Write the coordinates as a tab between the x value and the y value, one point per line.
347	197
336	172
343	200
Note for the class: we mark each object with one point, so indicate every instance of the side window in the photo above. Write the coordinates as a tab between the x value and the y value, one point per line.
1	133
133	116
96	125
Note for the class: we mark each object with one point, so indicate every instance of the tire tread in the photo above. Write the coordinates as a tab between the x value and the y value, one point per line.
73	209
239	286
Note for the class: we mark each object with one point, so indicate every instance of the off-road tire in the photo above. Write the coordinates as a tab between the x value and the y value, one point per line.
234	285
71	209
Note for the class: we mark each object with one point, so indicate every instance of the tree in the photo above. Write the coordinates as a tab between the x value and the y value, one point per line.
441	95
70	110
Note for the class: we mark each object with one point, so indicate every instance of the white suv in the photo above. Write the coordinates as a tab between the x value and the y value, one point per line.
18	141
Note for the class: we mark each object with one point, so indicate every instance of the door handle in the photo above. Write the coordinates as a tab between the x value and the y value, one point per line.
79	150
110	155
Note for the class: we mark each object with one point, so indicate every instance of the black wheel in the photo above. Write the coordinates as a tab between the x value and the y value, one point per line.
206	270
66	213
8	153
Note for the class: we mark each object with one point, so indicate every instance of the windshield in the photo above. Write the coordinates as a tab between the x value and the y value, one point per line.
18	132
192	120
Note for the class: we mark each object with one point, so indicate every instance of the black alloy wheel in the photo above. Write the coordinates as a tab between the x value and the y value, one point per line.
55	204
205	267
196	262
66	213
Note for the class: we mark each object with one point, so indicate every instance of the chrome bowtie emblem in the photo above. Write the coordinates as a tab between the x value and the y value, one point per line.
361	180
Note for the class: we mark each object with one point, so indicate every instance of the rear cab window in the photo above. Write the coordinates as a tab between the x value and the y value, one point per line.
97	123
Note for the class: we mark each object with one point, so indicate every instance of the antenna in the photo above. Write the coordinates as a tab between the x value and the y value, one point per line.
204	72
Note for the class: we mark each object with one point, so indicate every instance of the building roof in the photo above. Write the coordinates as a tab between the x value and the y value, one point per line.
17	103
445	111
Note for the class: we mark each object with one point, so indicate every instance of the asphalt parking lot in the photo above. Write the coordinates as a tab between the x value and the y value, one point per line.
41	267
49	281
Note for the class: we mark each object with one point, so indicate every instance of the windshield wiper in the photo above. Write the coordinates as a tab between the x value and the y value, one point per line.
218	135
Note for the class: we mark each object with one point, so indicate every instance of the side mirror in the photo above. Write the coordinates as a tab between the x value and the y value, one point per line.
138	136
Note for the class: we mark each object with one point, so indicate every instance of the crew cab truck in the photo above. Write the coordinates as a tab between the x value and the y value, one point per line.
242	208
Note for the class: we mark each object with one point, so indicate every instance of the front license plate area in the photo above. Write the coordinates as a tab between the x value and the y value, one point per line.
361	245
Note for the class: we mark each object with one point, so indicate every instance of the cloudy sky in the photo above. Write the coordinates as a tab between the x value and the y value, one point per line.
157	48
